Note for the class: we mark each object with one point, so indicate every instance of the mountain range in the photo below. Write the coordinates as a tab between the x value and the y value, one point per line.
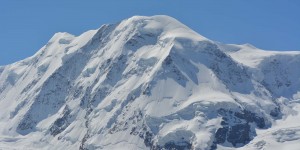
150	83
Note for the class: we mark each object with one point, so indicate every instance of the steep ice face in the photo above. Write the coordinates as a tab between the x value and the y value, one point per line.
144	83
275	70
280	74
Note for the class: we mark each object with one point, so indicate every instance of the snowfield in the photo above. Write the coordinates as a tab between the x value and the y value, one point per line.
150	83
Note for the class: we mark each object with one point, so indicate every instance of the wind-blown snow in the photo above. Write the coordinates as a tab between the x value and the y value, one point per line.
149	83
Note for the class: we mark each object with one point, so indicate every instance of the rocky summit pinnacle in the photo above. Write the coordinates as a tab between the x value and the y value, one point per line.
149	83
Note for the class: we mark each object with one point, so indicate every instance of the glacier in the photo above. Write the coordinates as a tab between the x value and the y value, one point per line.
150	83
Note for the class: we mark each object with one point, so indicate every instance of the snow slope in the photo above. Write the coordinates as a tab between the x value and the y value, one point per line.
149	83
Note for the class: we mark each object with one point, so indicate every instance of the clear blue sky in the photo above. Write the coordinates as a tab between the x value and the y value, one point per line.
26	25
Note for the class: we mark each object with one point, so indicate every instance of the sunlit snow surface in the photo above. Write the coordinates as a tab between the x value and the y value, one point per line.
150	83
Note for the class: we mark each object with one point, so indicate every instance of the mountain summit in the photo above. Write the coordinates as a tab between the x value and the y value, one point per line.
149	83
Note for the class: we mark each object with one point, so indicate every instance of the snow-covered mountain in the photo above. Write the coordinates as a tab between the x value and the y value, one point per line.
150	83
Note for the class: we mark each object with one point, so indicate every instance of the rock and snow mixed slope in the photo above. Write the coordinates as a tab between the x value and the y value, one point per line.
149	83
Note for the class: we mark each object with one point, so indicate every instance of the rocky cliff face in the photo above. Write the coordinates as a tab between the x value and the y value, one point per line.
146	83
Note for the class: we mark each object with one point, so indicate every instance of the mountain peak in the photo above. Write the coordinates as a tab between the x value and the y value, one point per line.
63	37
167	26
